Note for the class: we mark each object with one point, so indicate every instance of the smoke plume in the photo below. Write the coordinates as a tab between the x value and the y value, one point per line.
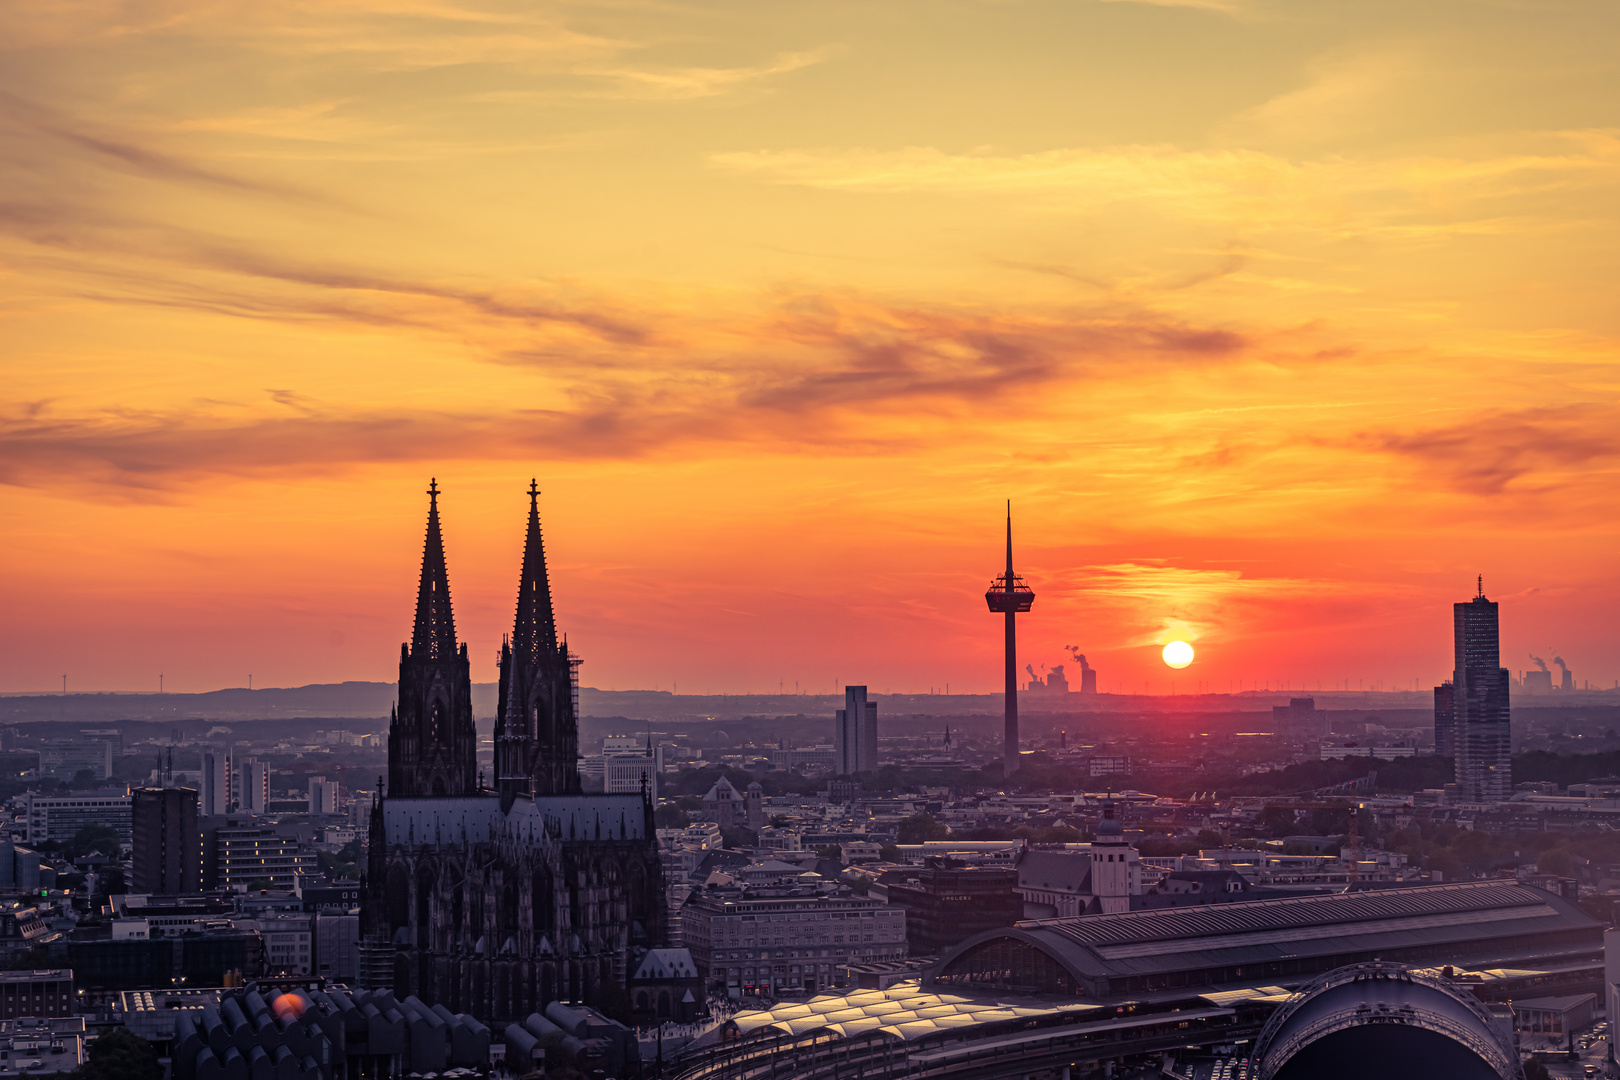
1079	657
1540	663
1559	660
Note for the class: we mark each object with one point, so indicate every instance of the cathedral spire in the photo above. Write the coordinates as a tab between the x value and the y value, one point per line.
536	628
435	635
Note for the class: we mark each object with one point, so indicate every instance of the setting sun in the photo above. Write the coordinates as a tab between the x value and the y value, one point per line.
1178	654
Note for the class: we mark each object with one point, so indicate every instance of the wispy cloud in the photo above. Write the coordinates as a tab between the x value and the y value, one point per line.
813	374
1502	451
683	83
1238	187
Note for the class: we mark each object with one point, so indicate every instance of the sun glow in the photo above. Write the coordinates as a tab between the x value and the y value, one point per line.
1178	654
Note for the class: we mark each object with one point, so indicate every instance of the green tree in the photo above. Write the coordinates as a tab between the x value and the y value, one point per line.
739	837
92	837
670	816
1556	861
919	828
829	851
120	1055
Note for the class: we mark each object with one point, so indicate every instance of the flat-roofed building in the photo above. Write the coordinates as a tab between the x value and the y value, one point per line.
167	851
946	905
60	817
239	853
41	1045
762	941
36	993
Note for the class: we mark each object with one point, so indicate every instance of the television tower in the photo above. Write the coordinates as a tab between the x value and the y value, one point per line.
1009	595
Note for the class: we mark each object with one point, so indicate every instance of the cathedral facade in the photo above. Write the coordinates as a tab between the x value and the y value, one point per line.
497	900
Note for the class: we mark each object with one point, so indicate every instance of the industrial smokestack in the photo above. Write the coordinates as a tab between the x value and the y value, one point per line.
1540	663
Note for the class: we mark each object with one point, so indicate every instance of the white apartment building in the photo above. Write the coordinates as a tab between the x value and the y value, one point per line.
254	796
214	791
325	796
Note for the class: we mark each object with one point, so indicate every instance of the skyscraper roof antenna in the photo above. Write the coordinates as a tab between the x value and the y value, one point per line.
1480	586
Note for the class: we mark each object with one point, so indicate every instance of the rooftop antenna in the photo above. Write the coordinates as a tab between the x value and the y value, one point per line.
1480	585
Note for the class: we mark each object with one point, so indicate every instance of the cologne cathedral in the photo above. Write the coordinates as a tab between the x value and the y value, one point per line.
497	900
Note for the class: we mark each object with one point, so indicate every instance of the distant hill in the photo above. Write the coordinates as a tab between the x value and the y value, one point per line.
372	700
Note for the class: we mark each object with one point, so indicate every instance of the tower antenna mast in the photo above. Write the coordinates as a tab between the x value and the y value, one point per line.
1008	595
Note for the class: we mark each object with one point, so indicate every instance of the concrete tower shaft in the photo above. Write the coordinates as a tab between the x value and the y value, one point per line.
1009	595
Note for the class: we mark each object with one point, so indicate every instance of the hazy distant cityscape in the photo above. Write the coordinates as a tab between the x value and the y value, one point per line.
723	884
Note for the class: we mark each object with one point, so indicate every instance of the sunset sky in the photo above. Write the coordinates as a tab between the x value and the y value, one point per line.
1276	321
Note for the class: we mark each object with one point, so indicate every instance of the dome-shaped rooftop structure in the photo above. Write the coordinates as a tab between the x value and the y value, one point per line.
1381	1020
1109	825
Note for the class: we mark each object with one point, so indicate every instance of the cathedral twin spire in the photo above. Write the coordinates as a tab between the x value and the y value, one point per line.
535	631
432	741
435	633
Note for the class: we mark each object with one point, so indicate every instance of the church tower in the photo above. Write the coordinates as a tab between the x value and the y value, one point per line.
537	733
432	744
1116	870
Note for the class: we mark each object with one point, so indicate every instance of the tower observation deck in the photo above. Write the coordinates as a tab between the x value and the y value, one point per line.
1009	595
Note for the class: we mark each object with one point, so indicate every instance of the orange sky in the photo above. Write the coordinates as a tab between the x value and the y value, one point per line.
1276	321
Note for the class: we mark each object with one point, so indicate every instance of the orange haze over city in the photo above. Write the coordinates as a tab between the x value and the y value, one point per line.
1277	323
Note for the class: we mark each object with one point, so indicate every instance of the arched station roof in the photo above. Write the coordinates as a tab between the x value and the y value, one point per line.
1090	949
1384	1020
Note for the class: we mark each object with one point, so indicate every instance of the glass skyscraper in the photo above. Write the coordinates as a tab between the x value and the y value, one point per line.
1481	720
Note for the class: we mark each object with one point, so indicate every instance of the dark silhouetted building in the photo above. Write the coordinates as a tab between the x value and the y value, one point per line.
495	901
855	739
1299	720
946	905
167	854
36	993
1480	704
1445	720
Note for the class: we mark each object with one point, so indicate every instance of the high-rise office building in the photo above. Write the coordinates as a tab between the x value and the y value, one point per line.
255	794
628	765
1445	720
167	844
855	734
1481	717
214	791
